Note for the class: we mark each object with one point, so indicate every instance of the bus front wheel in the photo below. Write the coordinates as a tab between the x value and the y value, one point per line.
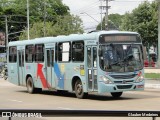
30	85
116	94
79	90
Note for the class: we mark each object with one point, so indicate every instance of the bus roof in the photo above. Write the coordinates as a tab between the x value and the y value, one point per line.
62	38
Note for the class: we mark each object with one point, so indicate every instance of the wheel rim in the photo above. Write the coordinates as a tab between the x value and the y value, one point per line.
29	85
79	89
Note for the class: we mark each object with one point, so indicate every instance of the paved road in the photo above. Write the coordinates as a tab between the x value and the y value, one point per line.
15	97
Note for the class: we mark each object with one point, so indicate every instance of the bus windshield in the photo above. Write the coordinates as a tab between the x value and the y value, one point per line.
121	57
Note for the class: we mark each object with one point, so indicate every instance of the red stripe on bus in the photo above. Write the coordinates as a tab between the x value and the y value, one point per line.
41	76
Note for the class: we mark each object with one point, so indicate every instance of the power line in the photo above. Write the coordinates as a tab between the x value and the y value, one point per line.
90	9
133	0
88	22
106	7
12	15
93	27
88	6
90	14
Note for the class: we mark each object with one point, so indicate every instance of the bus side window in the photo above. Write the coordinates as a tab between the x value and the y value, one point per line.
56	52
29	53
13	54
64	51
39	53
78	51
60	52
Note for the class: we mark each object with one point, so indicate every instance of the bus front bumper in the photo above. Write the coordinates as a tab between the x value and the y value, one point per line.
104	88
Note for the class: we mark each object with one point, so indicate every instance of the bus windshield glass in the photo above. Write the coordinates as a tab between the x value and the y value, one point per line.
121	57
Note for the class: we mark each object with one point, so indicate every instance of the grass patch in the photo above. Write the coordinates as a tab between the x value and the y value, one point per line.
152	75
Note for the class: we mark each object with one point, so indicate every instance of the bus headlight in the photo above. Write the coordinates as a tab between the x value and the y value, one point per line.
106	80
140	78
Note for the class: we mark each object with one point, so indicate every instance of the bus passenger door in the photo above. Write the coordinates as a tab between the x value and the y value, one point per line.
21	67
92	68
49	62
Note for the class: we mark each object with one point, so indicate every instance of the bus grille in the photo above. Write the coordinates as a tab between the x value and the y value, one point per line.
124	86
127	81
123	76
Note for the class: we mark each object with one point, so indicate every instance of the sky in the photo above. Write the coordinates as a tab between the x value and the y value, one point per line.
89	11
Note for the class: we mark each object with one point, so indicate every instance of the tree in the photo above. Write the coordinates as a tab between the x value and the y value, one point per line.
114	22
41	11
143	20
65	25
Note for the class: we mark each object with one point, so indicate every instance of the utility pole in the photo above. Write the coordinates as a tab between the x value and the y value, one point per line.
106	15
158	62
44	31
106	7
6	24
28	18
101	16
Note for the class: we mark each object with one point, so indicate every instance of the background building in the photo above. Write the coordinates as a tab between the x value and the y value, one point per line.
2	38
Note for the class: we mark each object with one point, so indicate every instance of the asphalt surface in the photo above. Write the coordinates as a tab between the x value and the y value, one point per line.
13	96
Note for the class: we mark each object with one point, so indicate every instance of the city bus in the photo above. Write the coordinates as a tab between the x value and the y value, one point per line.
98	62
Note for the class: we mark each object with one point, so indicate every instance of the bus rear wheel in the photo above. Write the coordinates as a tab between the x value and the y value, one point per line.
116	94
79	90
30	85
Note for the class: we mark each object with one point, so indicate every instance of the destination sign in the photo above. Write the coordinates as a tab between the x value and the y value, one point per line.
118	38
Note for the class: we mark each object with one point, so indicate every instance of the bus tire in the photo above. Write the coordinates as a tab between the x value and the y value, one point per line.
116	94
30	85
79	90
5	77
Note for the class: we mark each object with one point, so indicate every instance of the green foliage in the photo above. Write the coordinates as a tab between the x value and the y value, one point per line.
152	75
69	24
65	25
143	20
114	22
37	8
39	11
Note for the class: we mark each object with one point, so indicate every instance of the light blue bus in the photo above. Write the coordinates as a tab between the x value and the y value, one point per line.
97	62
